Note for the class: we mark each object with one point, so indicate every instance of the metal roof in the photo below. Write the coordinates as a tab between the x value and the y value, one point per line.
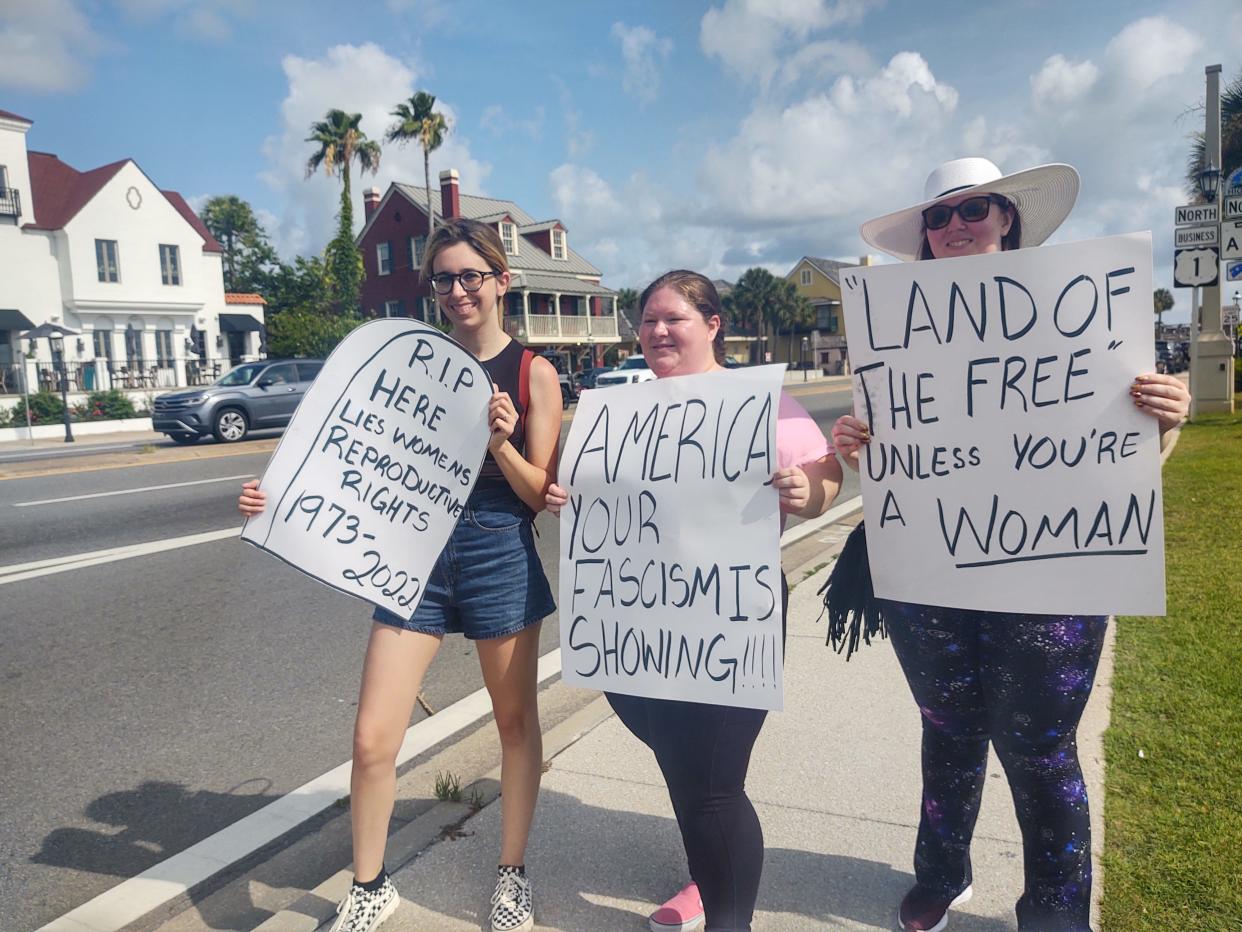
562	284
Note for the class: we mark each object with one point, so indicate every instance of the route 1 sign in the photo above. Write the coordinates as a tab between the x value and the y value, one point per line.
1231	239
1195	267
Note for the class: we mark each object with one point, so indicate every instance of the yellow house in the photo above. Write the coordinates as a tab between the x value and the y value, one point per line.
819	281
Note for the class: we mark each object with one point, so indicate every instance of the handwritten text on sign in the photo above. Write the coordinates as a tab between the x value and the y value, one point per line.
1009	469
371	475
670	555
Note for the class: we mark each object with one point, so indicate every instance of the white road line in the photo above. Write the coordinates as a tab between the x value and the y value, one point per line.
136	897
19	571
807	528
147	488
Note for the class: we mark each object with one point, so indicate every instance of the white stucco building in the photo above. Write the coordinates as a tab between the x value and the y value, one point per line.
108	253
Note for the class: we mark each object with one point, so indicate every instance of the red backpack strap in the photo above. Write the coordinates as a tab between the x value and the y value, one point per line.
524	383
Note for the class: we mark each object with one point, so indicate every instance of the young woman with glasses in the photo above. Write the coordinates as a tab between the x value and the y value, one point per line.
1019	681
488	585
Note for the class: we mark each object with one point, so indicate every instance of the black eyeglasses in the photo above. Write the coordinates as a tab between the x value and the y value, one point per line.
471	280
972	210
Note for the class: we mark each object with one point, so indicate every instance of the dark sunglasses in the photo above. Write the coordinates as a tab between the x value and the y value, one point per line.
972	210
471	280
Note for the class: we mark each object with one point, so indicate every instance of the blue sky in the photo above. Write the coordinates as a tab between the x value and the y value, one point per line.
713	135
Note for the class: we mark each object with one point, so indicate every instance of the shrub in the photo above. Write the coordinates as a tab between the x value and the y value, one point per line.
106	406
46	408
307	333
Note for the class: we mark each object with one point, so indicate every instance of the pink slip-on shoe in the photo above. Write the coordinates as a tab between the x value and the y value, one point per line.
680	914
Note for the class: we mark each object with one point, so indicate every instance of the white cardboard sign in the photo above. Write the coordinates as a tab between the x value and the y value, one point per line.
1009	468
670	545
372	473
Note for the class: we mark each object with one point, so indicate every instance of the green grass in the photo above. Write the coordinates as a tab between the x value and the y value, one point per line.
1173	839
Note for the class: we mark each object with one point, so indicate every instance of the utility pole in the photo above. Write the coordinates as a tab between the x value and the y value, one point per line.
1211	376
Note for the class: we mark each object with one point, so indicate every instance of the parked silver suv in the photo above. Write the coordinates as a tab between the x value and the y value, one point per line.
253	396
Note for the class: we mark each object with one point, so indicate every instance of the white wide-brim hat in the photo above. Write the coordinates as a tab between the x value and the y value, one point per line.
1044	196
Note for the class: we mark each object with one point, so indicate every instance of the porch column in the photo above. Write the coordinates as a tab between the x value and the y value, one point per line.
556	303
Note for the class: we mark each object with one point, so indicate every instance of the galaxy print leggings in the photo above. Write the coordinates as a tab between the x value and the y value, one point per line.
1020	681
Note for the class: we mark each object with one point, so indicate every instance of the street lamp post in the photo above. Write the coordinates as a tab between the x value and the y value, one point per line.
802	358
59	341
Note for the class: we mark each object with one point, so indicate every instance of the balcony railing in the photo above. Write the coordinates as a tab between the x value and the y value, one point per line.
10	202
100	375
563	327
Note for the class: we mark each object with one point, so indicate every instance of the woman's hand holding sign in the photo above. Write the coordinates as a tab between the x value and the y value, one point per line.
556	499
1164	397
252	501
848	436
501	418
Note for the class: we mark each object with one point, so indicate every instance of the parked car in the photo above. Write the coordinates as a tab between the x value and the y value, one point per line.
587	377
569	393
1171	357
253	396
634	369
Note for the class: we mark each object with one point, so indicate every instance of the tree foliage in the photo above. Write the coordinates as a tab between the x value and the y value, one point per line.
340	142
1230	138
248	256
627	299
417	118
302	332
751	305
1162	300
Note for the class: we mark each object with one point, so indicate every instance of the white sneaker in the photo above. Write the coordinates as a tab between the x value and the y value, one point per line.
364	910
513	908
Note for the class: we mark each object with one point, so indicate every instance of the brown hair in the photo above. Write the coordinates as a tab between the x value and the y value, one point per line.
697	290
480	237
1011	240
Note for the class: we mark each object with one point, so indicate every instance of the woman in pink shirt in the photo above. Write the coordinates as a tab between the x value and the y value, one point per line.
704	750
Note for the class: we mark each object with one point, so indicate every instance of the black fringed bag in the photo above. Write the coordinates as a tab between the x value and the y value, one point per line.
849	599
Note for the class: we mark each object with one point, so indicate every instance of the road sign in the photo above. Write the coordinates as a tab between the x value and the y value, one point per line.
1233	206
1233	271
1193	267
1231	239
1190	237
1194	213
1229	317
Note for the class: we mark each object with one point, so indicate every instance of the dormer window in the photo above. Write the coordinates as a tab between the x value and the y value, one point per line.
508	236
558	244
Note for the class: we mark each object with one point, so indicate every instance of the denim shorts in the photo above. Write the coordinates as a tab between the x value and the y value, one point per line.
488	582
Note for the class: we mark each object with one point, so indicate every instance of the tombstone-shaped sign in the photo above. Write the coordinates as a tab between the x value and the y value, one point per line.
371	475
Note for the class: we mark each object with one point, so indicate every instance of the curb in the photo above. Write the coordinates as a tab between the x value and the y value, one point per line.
443	821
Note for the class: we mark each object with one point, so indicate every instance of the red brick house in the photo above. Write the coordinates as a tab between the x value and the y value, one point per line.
555	299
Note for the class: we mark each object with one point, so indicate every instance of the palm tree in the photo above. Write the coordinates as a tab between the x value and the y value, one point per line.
627	299
750	304
341	142
1230	139
418	119
1162	301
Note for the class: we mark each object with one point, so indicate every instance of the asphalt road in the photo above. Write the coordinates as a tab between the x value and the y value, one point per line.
151	701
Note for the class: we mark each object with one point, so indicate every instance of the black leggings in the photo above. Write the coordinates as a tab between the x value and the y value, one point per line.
1020	681
704	753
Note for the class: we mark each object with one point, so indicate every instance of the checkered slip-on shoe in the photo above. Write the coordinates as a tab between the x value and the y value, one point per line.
513	907
364	910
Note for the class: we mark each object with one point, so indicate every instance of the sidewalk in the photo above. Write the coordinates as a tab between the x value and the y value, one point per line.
835	778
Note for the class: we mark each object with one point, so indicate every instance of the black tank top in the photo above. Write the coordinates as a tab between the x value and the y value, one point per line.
505	371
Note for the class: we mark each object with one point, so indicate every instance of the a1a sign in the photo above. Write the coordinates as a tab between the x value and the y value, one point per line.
1194	214
1230	239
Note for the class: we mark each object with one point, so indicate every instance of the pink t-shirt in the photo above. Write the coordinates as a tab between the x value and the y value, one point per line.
798	438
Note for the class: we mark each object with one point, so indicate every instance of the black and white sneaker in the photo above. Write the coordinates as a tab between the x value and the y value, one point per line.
513	907
364	910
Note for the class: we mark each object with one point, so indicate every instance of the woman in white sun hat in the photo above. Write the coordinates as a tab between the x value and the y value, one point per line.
1017	680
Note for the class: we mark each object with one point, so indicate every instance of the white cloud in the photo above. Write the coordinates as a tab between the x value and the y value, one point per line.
497	121
1062	83
752	37
206	20
46	45
1150	50
642	51
358	79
